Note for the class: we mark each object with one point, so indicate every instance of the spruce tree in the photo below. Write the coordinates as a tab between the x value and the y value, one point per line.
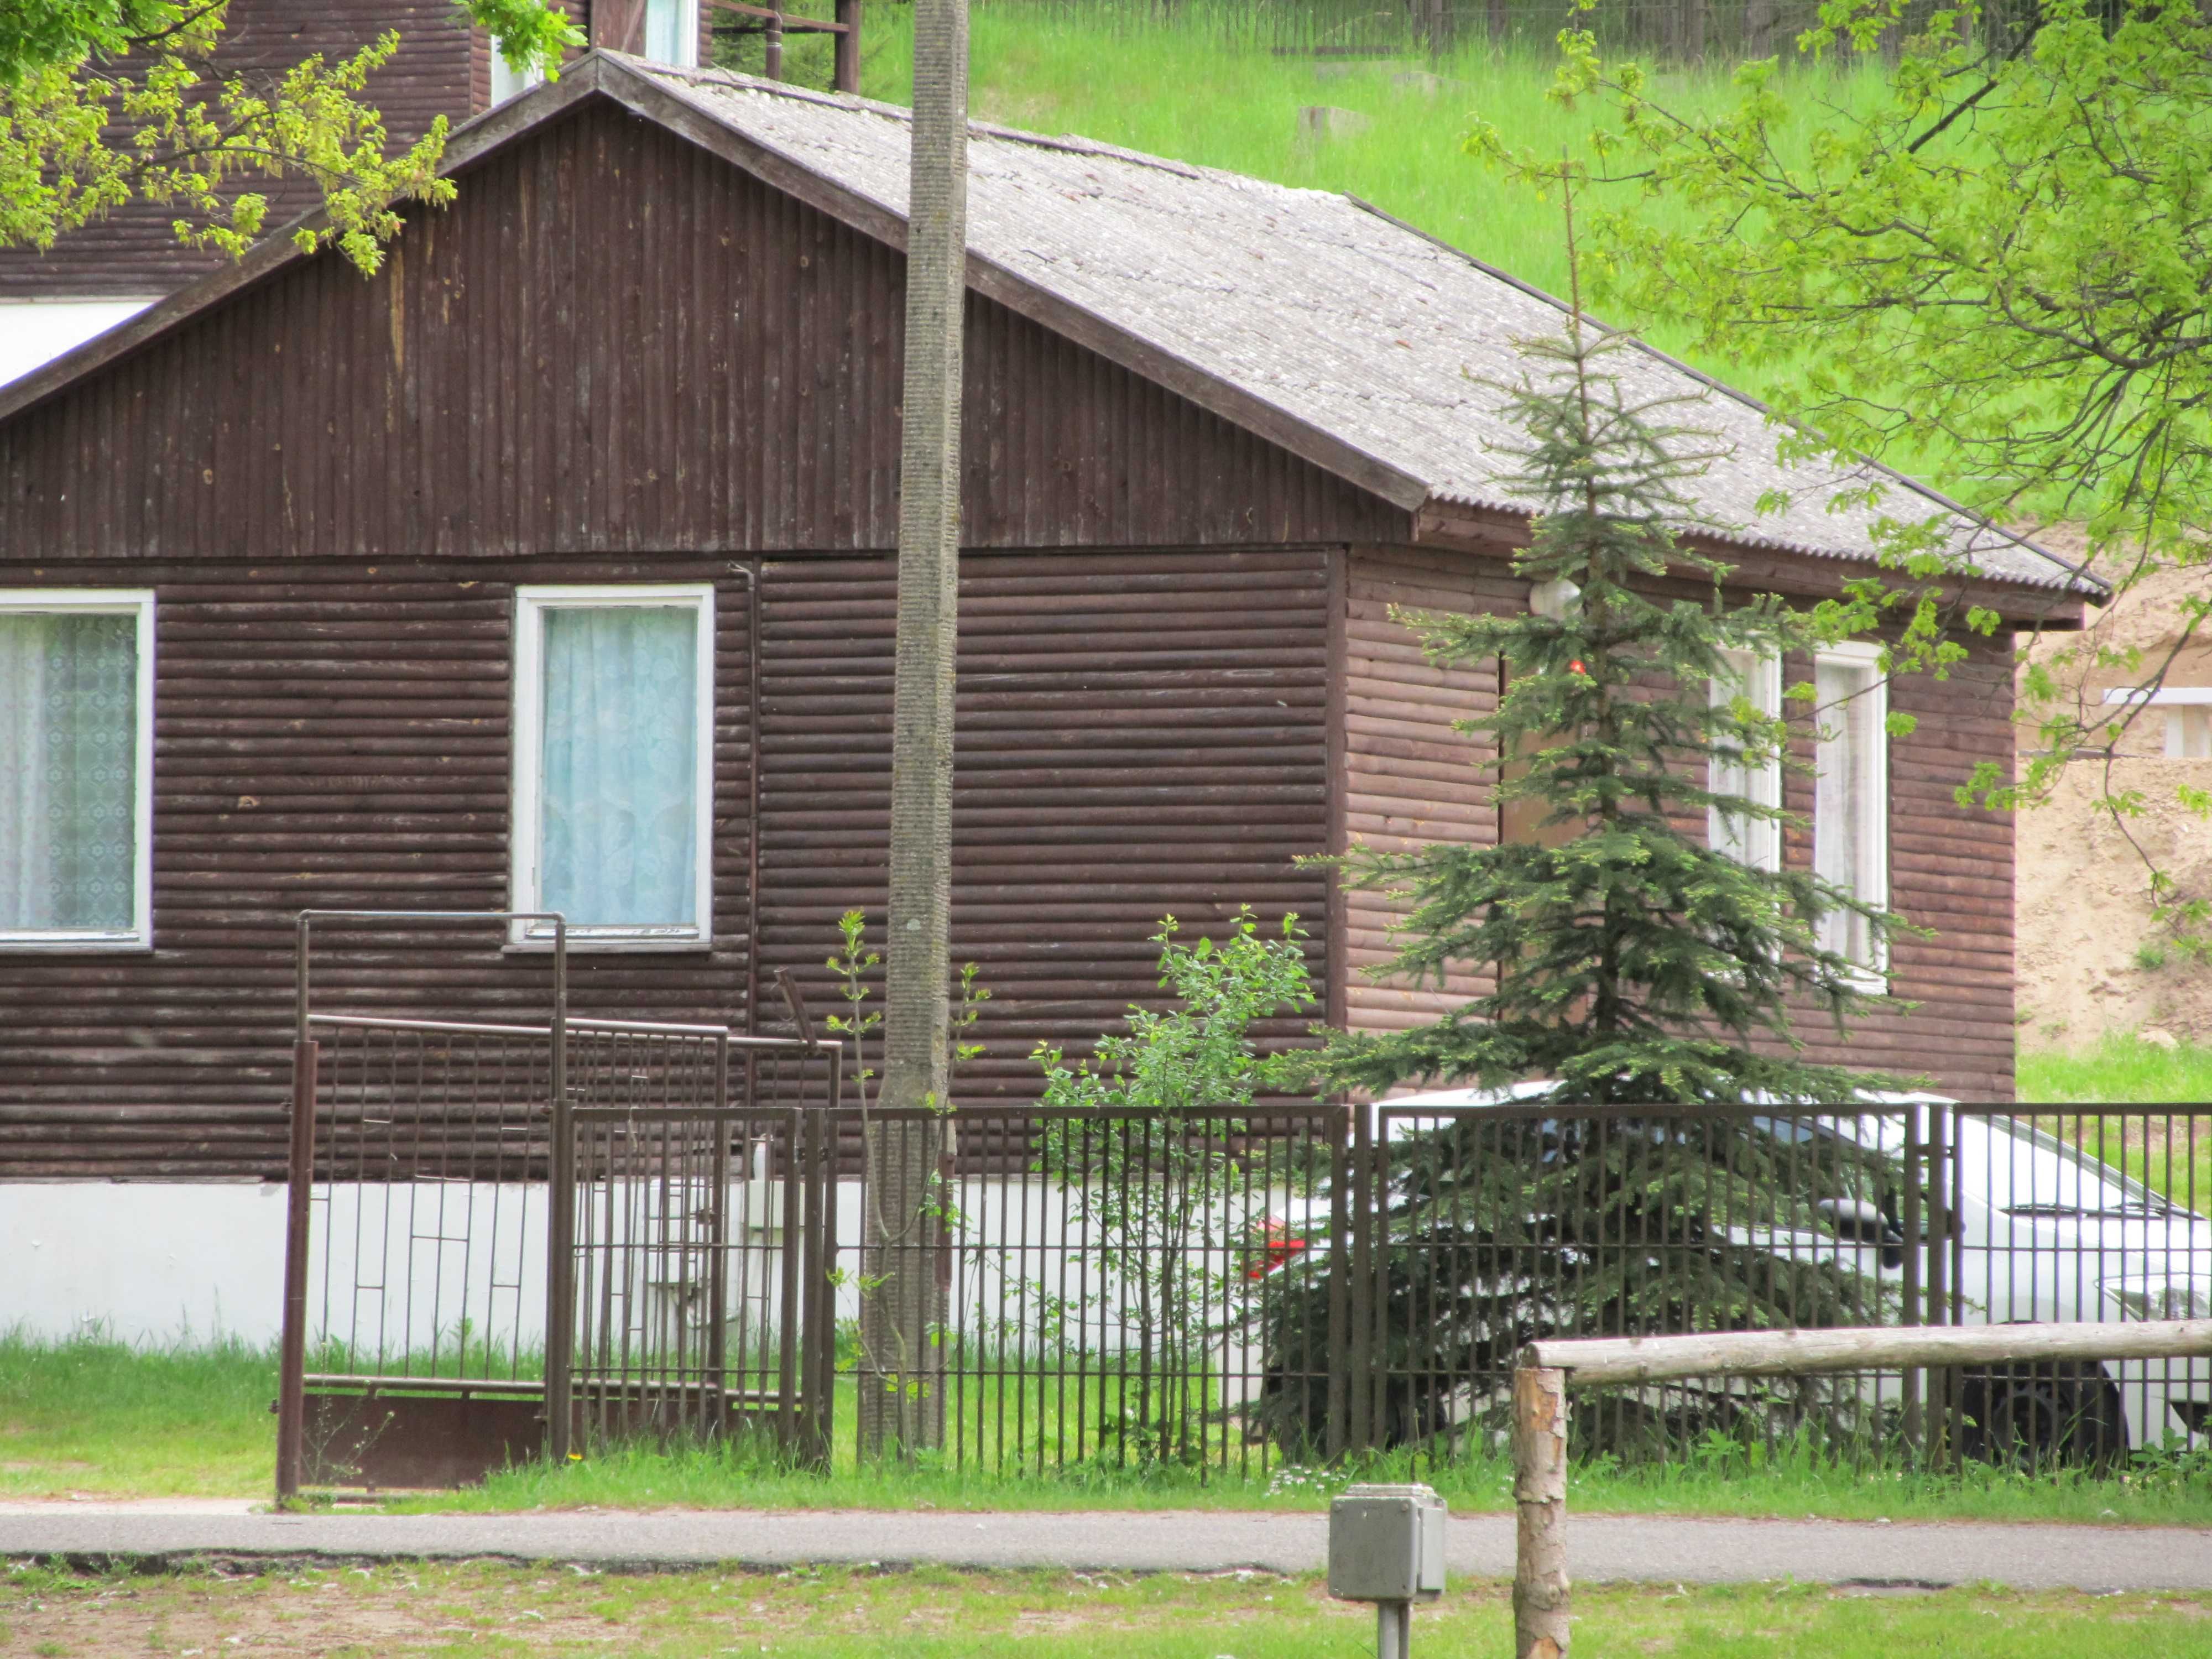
1633	963
1634	967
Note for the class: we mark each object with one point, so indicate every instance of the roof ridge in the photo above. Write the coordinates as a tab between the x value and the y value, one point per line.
1073	143
1972	518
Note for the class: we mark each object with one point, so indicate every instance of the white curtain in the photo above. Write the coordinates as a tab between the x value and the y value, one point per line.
1848	810
617	807
68	747
671	34
1755	841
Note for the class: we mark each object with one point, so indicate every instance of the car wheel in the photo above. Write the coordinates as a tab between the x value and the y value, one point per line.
2042	1416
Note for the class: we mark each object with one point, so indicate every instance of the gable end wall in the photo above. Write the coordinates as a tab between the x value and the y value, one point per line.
615	342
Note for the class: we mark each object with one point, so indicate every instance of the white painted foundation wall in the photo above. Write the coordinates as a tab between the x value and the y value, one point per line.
150	1262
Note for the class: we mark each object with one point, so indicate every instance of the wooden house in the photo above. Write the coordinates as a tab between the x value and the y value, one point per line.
554	565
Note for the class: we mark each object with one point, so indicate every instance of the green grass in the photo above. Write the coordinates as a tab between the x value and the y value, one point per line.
2175	1158
2122	1067
496	1608
2158	1490
101	1416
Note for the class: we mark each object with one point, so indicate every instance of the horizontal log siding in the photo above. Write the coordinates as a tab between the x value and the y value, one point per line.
330	735
1951	867
1950	870
133	250
1137	735
615	342
1409	778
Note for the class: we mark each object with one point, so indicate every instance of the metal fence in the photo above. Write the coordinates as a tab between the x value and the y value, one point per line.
518	1236
1238	1293
508	1237
1112	1288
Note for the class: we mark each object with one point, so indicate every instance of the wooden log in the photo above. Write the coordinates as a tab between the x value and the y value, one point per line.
1790	1353
1542	1597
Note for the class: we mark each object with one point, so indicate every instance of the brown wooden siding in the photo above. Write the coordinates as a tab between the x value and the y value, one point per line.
1138	735
1951	868
1409	778
326	735
615	342
133	250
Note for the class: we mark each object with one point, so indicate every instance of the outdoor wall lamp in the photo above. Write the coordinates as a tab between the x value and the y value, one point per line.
1555	600
1386	1545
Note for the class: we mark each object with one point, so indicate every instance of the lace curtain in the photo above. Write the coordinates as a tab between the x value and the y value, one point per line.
618	811
1849	812
69	744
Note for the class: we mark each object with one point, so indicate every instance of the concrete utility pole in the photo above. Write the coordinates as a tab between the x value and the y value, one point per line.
901	1405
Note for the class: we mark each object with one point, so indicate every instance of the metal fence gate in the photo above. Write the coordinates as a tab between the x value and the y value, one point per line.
514	1239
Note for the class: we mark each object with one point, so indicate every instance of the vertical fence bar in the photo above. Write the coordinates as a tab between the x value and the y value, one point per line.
1912	1223
560	1219
292	1366
1370	1203
1341	1205
717	1376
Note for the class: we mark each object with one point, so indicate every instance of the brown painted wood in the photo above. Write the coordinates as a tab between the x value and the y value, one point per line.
173	1062
540	370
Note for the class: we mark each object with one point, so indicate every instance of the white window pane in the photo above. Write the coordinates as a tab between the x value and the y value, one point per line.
69	744
1755	841
670	32
619	794
508	81
1850	819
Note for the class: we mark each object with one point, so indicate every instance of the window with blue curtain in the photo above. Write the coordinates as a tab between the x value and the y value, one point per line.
69	772
618	776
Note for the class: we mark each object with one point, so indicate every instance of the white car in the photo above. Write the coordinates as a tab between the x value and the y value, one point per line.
2042	1232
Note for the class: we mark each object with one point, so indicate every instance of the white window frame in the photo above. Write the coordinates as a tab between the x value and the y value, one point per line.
1756	843
1871	883
687	32
2185	707
506	81
81	601
530	604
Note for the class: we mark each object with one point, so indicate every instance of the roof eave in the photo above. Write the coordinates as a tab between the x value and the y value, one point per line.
1497	531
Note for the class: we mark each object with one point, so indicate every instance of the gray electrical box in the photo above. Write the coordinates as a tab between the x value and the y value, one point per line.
1386	1544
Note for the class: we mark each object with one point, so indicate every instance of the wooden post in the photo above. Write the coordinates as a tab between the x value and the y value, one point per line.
292	1355
847	66
1542	1597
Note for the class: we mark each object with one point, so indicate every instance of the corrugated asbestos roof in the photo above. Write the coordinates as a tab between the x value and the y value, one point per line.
1344	320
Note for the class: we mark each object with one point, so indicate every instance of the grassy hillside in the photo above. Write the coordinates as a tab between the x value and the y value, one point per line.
1171	89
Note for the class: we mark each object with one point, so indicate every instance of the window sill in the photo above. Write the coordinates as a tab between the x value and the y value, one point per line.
605	946
31	945
1868	981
